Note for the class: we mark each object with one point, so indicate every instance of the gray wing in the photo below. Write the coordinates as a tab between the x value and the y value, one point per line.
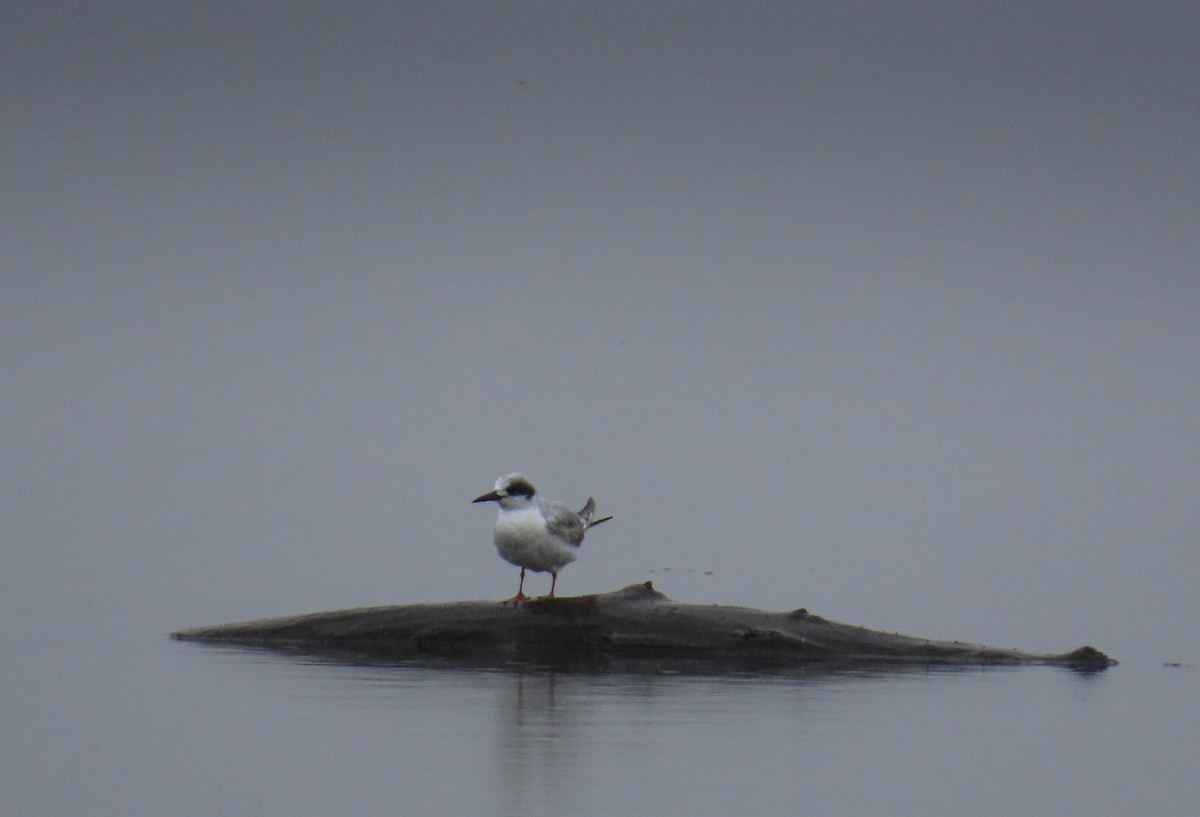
563	522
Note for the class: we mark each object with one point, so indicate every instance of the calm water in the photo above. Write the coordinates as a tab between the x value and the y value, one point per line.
156	727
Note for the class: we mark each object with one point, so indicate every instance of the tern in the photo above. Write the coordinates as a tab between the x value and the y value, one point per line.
534	533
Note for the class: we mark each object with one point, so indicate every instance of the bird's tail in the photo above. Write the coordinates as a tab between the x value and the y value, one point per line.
586	515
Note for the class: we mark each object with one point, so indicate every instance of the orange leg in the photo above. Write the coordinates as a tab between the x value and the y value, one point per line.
520	591
553	581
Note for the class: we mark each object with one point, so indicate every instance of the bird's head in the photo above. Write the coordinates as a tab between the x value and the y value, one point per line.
511	491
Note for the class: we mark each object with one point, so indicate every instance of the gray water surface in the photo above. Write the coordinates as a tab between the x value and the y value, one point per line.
161	727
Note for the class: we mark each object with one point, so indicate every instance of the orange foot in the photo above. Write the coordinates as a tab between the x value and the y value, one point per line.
516	598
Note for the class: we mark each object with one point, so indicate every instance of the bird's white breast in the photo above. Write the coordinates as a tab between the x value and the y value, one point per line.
521	538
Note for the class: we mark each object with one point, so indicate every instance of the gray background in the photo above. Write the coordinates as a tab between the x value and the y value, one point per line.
888	310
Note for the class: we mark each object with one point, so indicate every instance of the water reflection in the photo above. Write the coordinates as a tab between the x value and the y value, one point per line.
515	739
534	746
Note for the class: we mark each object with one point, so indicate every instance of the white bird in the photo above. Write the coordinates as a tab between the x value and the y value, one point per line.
534	533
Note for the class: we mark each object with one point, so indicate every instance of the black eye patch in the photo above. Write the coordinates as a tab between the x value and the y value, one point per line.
519	487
